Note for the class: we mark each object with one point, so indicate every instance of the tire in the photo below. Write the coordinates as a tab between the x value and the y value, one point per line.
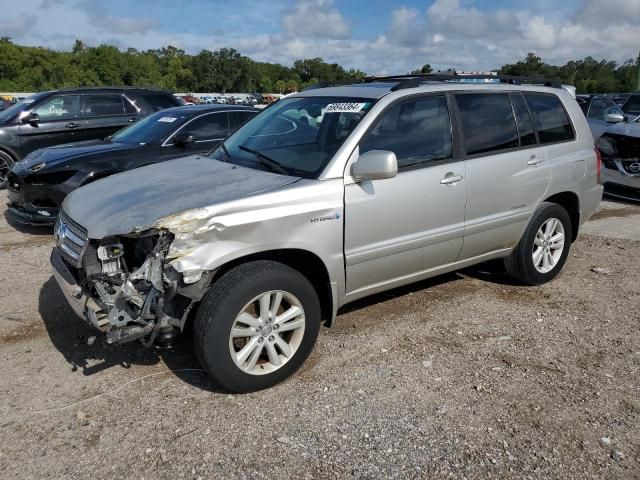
239	292
6	162
521	263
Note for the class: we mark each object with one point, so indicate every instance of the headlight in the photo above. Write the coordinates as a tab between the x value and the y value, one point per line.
607	146
37	167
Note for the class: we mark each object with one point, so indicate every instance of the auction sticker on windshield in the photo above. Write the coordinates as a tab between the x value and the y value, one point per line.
167	119
344	107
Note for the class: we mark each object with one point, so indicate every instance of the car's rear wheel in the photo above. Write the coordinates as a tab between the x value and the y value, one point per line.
544	247
256	326
6	162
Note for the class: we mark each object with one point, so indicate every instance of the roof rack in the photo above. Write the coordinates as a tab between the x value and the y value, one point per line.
415	80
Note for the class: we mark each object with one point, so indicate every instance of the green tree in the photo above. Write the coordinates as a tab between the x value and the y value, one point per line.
280	86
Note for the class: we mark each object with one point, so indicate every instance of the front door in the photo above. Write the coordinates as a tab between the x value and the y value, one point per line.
398	229
60	121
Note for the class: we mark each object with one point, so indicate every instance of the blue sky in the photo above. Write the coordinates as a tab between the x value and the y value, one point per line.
377	36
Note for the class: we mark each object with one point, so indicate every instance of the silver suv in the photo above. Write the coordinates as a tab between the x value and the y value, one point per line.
327	196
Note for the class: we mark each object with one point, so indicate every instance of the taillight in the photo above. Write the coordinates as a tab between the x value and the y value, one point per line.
599	163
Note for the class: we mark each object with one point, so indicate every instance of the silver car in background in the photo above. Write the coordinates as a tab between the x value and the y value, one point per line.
325	197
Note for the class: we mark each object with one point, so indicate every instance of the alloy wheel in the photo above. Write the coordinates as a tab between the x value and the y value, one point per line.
548	245
267	332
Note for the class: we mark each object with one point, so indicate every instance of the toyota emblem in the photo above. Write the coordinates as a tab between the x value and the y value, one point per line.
634	167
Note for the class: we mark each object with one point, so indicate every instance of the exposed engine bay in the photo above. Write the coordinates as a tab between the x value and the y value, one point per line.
133	293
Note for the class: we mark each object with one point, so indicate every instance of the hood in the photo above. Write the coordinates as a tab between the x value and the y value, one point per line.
135	200
629	129
53	155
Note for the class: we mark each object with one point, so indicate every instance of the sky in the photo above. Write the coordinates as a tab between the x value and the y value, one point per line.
376	36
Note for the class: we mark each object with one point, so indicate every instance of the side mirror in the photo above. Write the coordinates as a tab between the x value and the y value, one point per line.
32	119
183	139
376	165
614	117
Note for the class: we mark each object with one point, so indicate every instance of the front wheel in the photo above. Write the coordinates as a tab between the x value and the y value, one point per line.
256	326
6	162
544	247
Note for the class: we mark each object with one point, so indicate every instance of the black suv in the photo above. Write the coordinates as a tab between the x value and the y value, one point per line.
62	116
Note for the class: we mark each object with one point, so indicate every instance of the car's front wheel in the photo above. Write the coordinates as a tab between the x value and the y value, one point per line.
256	326
6	162
544	247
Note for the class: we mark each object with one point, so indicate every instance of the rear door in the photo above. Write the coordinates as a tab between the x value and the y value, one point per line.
105	113
60	121
398	229
507	170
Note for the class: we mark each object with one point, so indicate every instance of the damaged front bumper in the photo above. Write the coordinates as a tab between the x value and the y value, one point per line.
149	303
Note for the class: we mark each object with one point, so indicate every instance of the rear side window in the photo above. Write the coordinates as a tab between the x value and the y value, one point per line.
523	119
549	118
416	131
488	124
158	101
98	105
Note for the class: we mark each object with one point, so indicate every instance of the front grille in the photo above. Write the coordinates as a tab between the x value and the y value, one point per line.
71	239
632	167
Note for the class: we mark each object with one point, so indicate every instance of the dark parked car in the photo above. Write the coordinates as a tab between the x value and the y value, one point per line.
39	183
601	112
620	150
62	116
4	105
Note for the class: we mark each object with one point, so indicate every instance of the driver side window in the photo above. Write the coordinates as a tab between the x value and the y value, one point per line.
417	131
214	126
602	106
59	107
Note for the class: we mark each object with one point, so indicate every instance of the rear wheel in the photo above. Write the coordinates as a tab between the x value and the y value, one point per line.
256	326
6	162
544	247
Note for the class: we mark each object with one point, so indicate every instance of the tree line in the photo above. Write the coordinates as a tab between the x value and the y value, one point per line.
227	70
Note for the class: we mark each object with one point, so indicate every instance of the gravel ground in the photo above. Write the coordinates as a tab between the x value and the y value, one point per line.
466	375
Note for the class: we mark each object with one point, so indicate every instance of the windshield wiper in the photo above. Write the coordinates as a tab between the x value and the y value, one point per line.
266	161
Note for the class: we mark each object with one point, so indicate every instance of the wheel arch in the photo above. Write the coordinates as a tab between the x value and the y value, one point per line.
9	151
307	263
571	203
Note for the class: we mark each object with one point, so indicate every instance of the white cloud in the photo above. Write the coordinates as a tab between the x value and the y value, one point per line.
315	18
448	33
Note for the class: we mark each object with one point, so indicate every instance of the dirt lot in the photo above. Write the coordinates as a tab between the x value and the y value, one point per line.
466	375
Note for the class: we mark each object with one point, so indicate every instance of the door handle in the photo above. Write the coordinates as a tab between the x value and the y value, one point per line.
534	160
72	125
451	179
132	119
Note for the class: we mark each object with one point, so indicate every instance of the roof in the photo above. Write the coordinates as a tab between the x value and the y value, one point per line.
110	89
195	109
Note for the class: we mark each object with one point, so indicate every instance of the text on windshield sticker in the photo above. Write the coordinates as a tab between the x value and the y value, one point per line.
344	107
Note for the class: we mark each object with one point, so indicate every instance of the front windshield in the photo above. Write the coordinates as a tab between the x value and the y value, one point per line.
154	128
14	110
296	136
